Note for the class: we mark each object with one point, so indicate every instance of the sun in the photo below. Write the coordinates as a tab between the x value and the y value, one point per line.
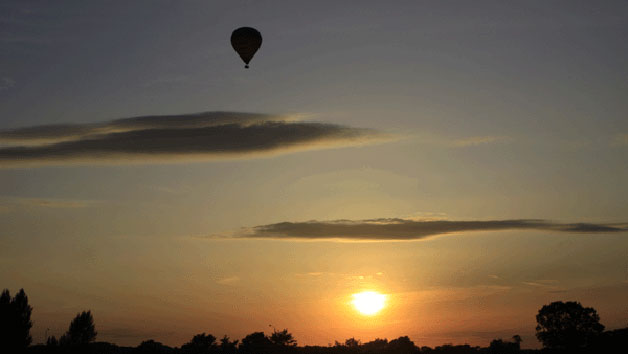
369	303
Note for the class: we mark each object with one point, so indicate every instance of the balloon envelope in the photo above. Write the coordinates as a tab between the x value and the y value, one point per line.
246	41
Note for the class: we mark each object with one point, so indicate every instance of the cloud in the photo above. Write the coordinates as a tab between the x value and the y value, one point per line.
480	140
549	283
228	280
403	229
11	202
64	132
208	135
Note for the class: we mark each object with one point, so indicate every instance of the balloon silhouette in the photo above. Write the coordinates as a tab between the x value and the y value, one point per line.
246	41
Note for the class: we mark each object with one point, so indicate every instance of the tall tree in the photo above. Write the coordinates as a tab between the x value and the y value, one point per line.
15	321
567	325
82	330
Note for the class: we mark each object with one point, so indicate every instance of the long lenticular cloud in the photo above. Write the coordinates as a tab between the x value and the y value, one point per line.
206	135
404	230
61	132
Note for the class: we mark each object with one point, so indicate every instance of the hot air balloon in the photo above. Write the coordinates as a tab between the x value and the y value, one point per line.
246	41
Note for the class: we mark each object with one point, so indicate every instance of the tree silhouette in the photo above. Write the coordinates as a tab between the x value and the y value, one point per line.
563	327
82	330
350	345
499	346
567	325
612	342
283	342
352	342
52	342
15	321
517	340
402	345
377	345
227	346
283	338
201	344
256	343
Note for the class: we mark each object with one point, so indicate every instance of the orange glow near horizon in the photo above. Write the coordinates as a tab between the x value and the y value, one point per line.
369	303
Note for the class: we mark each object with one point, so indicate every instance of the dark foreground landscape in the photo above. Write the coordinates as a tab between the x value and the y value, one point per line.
562	327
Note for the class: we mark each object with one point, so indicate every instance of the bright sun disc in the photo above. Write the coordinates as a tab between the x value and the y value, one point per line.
369	302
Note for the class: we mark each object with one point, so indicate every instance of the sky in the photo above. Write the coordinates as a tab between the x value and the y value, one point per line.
467	159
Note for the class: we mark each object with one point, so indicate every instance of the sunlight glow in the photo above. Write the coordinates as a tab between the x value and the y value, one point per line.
369	302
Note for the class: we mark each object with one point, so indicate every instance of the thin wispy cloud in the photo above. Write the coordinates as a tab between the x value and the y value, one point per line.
405	230
480	140
15	202
544	283
228	280
439	140
208	135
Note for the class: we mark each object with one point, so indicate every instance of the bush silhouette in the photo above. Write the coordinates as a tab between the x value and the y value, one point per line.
153	347
15	321
567	325
201	344
499	346
402	345
256	343
377	345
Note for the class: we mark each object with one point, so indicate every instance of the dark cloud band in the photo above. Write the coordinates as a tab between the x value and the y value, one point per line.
210	134
60	132
401	229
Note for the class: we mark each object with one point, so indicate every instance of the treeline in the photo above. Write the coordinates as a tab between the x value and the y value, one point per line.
562	327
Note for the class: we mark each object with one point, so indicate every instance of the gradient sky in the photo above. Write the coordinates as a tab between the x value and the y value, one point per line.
406	111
